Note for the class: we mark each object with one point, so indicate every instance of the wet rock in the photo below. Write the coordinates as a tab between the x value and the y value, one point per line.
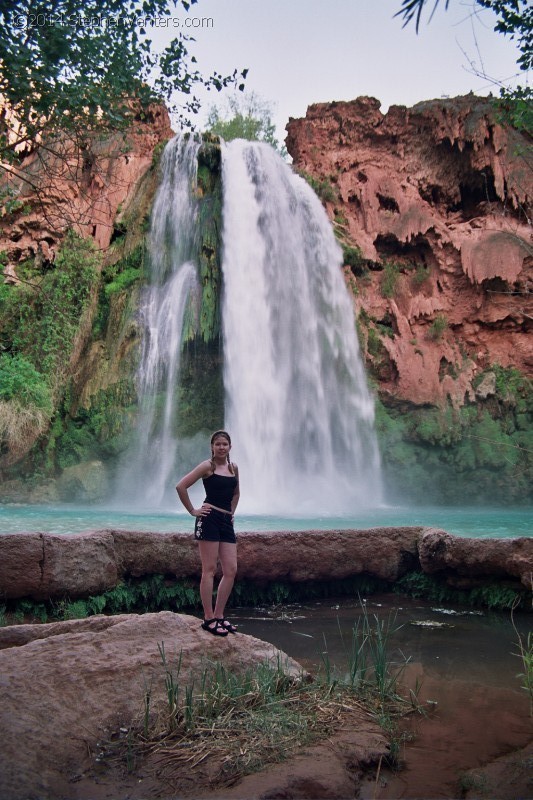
86	482
44	565
21	563
92	562
506	778
386	553
80	560
139	553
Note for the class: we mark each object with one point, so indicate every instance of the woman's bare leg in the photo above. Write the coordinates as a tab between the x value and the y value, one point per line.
227	554
209	555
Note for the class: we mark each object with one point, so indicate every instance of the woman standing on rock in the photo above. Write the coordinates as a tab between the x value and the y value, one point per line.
214	528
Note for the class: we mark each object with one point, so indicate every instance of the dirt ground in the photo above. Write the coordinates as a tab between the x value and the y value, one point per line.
346	765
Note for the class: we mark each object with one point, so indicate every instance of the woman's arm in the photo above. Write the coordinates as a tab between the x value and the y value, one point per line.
236	493
187	481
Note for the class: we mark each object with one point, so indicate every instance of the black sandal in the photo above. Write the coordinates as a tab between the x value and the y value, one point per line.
217	630
228	627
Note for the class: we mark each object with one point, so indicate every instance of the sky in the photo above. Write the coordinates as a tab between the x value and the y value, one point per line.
300	52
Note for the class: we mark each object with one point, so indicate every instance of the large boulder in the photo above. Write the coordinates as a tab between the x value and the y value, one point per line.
21	564
64	683
87	482
139	553
80	560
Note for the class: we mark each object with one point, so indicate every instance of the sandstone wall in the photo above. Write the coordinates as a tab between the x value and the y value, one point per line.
441	193
84	189
43	565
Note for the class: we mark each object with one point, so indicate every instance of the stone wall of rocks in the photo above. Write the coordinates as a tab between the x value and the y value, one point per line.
43	565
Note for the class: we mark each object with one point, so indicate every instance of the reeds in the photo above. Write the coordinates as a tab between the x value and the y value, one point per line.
370	669
232	723
525	653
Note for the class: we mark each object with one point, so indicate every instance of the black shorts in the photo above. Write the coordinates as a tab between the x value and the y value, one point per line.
216	526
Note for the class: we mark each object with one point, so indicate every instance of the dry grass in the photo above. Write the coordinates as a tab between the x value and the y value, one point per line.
19	428
228	726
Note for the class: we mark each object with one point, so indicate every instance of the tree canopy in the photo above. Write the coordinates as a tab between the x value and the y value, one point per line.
75	65
245	116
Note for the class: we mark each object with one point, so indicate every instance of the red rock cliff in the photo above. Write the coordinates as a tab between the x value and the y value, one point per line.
84	188
436	200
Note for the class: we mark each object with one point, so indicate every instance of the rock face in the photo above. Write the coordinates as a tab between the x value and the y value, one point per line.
80	189
437	201
42	565
64	683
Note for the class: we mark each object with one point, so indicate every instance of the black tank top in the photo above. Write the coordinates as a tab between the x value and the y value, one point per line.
219	490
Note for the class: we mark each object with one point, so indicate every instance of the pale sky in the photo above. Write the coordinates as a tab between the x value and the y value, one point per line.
300	52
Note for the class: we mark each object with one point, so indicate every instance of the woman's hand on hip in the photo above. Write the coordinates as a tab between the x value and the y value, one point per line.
202	511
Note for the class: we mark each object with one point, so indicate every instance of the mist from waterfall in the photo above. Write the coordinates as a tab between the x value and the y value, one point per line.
298	406
148	470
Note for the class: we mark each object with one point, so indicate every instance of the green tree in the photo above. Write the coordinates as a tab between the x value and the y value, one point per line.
73	72
244	117
67	65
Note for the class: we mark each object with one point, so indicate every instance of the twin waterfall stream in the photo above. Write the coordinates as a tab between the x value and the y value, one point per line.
297	404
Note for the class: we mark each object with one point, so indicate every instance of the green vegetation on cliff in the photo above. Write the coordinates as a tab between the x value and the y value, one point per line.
477	453
43	325
70	345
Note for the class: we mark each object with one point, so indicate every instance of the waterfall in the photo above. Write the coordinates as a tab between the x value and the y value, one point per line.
297	403
148	470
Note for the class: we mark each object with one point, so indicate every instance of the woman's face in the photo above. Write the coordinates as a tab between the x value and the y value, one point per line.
220	447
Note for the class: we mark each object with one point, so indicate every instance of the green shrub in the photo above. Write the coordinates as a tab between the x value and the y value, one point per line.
21	382
323	188
391	273
438	327
353	258
123	280
78	609
493	596
41	321
421	275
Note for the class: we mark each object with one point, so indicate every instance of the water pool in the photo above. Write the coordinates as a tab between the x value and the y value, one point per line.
465	521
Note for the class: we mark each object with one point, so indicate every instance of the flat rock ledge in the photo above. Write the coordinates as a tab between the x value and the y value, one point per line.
44	565
65	686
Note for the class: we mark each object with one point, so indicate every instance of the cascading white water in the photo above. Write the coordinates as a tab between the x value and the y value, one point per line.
297	403
149	468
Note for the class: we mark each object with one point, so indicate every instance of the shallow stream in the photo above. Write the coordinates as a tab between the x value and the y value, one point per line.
465	661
